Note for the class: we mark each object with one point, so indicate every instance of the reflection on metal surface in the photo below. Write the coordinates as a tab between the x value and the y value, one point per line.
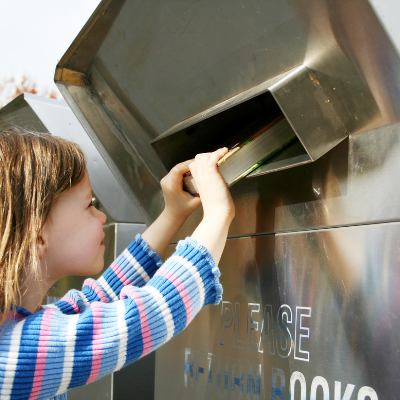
68	76
99	390
310	112
316	311
366	193
350	279
292	156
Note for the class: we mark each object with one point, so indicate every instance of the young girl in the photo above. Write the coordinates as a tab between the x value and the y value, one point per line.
50	229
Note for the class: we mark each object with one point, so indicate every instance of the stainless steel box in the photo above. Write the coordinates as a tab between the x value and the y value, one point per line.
310	307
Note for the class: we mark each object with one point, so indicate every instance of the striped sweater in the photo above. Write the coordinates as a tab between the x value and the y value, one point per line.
137	305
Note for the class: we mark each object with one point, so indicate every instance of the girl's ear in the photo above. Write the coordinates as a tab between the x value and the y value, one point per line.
41	246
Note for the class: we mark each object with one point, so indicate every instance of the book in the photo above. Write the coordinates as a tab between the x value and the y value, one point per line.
248	149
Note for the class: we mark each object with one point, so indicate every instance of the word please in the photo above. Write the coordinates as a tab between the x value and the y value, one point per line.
258	330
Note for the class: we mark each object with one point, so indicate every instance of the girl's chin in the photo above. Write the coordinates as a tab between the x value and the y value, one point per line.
95	269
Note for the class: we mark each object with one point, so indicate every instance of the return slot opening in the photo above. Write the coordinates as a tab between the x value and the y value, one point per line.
217	126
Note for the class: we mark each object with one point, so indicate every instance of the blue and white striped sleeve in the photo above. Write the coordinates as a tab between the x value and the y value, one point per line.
52	351
134	266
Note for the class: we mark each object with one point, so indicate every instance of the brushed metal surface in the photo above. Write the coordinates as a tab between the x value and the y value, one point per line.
349	277
163	62
99	390
41	114
139	183
310	112
176	59
334	289
317	311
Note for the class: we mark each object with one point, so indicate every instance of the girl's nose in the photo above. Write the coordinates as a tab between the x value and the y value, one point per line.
101	216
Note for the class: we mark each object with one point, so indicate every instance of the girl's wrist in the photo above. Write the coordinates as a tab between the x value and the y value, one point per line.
174	218
220	214
218	218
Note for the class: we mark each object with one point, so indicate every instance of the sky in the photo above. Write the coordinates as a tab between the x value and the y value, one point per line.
35	34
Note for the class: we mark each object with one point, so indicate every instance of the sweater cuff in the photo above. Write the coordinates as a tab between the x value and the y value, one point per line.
198	246
145	247
216	290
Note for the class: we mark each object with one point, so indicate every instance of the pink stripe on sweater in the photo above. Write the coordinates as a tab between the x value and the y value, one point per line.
45	328
71	303
180	287
121	276
96	342
144	323
91	283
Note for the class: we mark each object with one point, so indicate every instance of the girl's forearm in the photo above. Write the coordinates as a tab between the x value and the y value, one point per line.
212	233
161	232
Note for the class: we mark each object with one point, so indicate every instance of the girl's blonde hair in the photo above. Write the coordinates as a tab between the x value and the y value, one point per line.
35	168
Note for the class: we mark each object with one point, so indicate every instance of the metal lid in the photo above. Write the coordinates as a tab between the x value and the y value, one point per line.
41	114
137	69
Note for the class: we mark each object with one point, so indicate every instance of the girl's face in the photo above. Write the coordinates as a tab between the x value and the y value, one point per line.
72	236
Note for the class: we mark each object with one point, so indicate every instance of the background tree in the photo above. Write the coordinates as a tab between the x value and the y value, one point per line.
11	88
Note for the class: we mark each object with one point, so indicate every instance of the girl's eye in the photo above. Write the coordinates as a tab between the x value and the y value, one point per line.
92	202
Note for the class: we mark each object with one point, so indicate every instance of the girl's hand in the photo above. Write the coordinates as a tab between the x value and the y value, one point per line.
214	194
178	203
218	206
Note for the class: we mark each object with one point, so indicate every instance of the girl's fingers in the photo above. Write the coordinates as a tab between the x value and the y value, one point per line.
222	151
182	167
176	174
185	166
217	155
203	160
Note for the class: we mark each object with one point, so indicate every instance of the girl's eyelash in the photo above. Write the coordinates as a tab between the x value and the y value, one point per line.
91	204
